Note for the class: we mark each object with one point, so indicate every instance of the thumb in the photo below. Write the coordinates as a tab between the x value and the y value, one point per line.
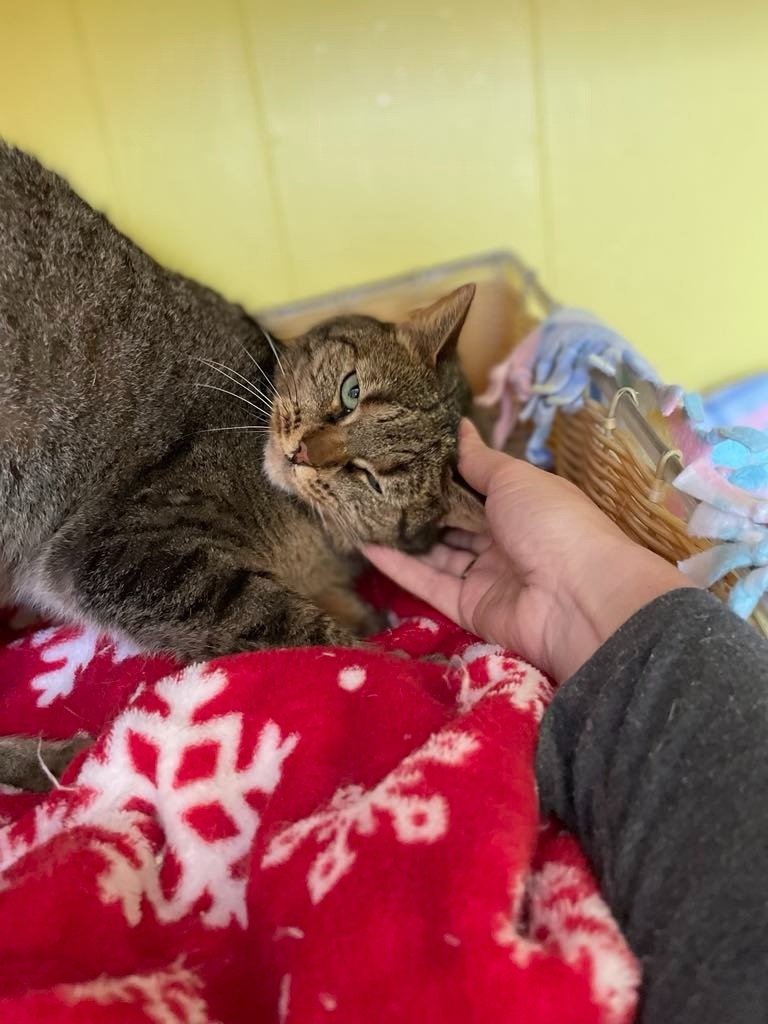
478	462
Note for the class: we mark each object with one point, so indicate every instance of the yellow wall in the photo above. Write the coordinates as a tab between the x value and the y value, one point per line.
275	149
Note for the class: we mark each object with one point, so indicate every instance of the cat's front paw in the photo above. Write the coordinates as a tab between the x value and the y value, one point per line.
32	764
337	635
376	622
57	755
354	615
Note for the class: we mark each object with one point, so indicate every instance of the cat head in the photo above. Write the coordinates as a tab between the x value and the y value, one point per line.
364	425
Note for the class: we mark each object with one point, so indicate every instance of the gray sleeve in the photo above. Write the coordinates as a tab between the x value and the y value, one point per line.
655	754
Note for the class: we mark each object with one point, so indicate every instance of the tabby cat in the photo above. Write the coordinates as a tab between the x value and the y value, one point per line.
170	473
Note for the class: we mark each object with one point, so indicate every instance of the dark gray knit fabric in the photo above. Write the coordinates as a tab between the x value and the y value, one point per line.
655	754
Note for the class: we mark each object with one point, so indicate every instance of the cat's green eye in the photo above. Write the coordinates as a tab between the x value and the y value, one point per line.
349	392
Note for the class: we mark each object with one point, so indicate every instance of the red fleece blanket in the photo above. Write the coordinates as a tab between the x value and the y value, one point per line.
294	836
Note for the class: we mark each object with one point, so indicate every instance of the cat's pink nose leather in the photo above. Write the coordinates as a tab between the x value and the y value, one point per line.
301	455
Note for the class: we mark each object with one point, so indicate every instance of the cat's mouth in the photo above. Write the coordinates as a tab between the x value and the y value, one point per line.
287	471
277	465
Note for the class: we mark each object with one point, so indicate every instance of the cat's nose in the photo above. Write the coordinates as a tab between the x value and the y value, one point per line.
301	455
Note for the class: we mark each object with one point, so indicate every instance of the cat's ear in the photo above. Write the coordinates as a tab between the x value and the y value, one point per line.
465	509
432	333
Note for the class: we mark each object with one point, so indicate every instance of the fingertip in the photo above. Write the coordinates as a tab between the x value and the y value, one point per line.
476	459
390	561
468	432
416	575
376	553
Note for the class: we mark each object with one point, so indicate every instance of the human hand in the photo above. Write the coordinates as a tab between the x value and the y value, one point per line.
552	578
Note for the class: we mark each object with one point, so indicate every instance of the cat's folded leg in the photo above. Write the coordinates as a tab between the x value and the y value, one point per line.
343	605
187	594
28	763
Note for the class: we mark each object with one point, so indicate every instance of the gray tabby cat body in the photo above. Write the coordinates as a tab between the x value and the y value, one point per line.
167	474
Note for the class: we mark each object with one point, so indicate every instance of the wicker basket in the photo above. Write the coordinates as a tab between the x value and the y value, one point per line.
608	449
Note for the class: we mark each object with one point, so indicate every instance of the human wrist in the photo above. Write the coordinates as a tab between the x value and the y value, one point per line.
600	596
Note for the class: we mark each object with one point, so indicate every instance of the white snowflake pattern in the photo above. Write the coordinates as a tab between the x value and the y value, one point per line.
414	818
128	880
578	927
524	686
172	996
206	865
76	650
581	926
49	818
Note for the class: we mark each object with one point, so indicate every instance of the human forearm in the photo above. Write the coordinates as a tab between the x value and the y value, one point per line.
654	755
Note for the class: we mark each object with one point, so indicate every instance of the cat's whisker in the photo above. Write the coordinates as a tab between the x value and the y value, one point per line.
252	386
252	429
235	377
213	387
262	371
295	387
276	354
272	345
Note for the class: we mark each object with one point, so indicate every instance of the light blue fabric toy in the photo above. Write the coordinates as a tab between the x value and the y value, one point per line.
571	343
730	479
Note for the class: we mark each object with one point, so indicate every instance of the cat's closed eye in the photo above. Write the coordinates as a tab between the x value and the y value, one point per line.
372	480
362	472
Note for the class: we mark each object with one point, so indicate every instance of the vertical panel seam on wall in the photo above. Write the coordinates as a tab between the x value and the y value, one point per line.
257	97
546	198
99	111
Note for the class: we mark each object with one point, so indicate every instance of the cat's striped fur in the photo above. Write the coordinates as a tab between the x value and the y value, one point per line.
133	497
